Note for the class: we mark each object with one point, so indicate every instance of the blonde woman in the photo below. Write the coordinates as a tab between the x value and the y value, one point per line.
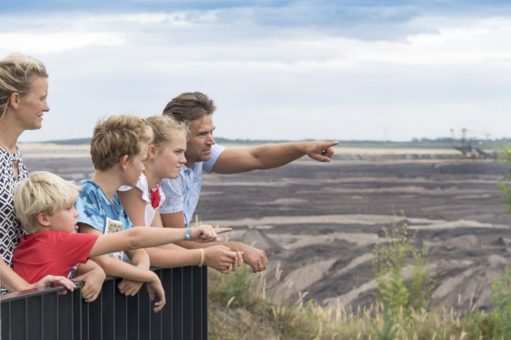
23	95
165	157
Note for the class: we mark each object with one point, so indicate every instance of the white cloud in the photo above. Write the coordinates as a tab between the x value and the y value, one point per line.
442	71
179	18
56	42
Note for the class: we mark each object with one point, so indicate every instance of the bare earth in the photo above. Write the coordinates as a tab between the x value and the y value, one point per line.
319	222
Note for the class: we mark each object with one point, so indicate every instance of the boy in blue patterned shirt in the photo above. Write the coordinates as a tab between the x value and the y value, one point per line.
118	150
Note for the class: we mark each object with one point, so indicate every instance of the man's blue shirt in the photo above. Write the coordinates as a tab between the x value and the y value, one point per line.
182	193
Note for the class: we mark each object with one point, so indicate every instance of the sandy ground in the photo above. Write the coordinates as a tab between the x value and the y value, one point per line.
38	150
326	219
79	150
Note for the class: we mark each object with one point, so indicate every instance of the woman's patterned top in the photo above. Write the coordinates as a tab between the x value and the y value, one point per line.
10	227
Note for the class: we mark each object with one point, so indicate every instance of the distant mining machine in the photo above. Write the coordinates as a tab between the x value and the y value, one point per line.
466	147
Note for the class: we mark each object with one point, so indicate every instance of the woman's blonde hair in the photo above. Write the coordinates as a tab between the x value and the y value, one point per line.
16	75
165	129
42	192
116	137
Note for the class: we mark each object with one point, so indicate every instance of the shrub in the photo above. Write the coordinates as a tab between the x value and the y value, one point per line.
396	291
236	288
503	185
502	307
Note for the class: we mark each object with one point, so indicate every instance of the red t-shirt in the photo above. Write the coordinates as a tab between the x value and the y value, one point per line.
51	252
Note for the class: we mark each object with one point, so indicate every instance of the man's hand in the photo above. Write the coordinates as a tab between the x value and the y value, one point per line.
155	289
93	281
255	258
129	287
320	151
222	258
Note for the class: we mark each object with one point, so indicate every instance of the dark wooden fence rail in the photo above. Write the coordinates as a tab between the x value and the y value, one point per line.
47	315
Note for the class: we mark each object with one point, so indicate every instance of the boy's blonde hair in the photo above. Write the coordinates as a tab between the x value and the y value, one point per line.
42	192
165	129
116	137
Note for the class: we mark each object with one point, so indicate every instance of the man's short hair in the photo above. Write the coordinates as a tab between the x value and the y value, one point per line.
189	106
116	137
42	192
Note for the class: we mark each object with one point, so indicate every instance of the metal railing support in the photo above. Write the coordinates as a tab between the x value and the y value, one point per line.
46	314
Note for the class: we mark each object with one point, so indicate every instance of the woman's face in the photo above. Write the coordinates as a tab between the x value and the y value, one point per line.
171	156
31	106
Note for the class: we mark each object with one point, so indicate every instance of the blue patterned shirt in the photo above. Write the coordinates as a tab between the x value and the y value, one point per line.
100	213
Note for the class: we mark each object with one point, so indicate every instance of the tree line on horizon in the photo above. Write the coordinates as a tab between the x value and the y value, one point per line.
441	142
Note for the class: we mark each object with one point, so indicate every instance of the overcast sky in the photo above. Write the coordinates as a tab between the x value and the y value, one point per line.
343	70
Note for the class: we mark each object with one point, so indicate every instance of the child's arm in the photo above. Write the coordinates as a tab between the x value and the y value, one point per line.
111	265
93	277
115	267
140	259
169	255
134	205
13	282
147	237
157	219
10	280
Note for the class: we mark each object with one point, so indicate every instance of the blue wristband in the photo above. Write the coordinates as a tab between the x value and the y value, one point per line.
188	233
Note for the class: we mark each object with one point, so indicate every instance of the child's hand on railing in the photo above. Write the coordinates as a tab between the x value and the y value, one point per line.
92	281
52	280
156	292
206	233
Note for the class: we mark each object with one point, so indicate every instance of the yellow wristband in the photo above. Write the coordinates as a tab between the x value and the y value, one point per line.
202	256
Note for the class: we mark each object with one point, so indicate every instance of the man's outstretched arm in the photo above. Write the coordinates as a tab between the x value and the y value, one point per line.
271	156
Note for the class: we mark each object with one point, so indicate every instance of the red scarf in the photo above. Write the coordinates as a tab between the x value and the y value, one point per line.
155	196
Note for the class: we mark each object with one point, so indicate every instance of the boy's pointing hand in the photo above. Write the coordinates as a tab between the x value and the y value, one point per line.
206	233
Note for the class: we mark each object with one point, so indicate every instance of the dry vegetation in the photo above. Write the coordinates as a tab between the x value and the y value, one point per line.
241	307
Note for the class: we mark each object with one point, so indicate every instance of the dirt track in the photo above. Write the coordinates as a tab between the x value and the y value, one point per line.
327	217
